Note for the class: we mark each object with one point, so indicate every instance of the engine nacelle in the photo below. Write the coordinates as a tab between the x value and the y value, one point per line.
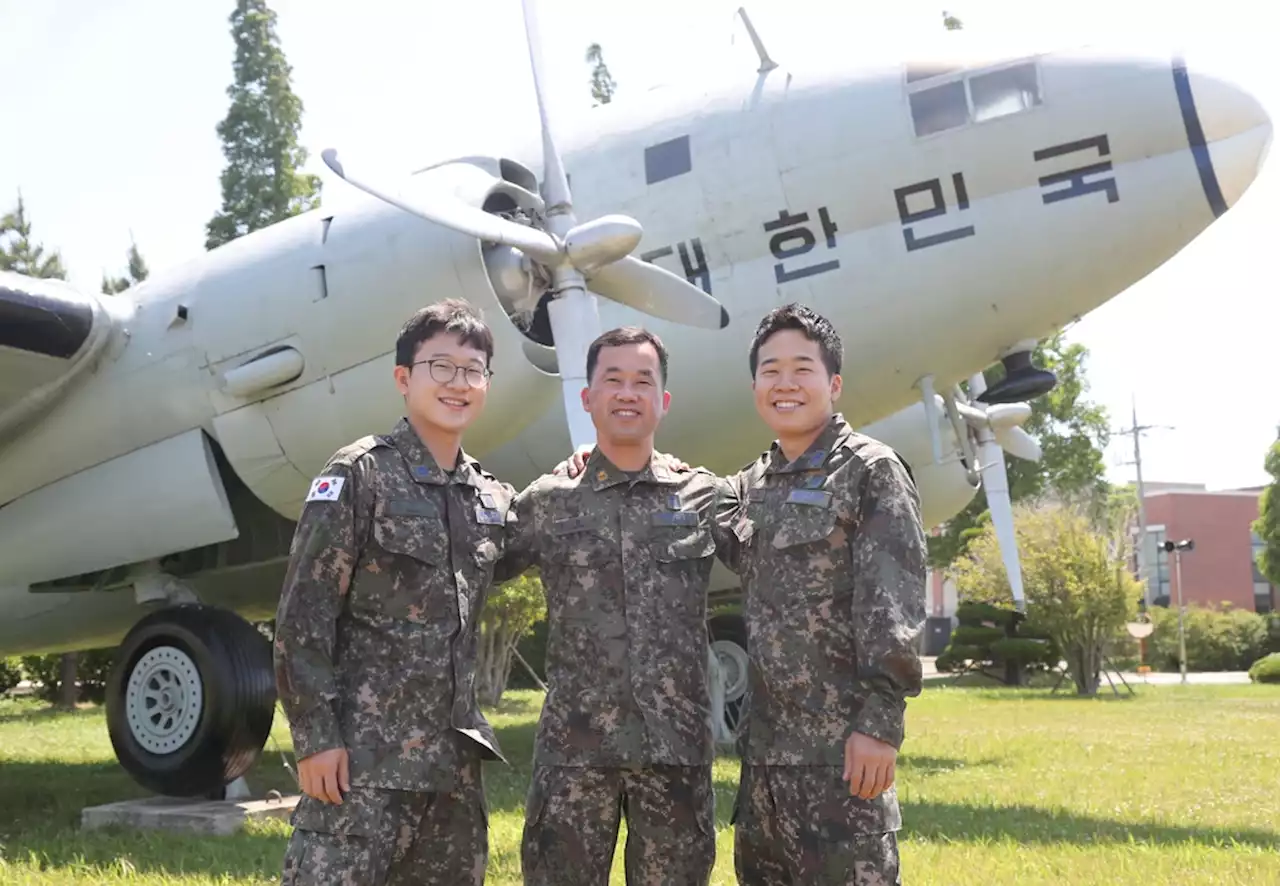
49	334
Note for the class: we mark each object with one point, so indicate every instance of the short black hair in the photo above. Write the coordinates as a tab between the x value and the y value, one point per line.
626	335
807	321
450	315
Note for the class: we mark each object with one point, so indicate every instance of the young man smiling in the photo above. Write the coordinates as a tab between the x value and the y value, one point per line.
831	552
625	551
375	641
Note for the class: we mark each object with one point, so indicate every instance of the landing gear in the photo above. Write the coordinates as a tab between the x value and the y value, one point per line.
190	700
729	646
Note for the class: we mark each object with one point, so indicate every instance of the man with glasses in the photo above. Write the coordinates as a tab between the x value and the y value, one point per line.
375	643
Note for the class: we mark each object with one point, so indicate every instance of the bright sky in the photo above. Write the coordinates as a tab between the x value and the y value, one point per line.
110	109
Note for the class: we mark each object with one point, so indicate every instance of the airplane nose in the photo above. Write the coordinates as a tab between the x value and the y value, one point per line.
1229	130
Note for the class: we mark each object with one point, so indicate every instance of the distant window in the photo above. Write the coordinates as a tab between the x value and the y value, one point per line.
667	160
958	99
1262	597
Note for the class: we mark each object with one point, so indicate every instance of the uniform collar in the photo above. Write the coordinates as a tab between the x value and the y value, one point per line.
423	467
602	473
836	431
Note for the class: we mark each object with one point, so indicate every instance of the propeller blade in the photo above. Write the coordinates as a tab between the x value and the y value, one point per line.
555	185
602	241
1018	443
995	482
658	293
452	213
575	323
1007	415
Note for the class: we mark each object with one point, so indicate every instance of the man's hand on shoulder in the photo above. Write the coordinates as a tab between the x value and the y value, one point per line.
325	775
574	464
868	765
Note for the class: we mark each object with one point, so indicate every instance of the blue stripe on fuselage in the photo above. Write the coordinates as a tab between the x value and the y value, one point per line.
1195	138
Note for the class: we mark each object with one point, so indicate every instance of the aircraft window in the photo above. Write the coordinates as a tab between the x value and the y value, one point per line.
1003	92
667	160
939	108
971	98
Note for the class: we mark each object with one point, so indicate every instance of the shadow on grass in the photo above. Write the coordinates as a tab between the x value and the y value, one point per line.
955	822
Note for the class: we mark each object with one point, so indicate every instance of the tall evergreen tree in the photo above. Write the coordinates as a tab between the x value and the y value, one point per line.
19	254
602	84
261	184
137	272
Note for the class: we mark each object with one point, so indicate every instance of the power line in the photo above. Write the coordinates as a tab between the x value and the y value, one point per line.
1136	431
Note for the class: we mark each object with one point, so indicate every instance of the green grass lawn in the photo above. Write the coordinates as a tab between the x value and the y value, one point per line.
1178	786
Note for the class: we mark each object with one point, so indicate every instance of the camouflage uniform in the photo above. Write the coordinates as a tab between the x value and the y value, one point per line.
831	552
626	725
375	652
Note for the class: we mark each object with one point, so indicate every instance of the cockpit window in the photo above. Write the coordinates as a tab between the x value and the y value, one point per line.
944	99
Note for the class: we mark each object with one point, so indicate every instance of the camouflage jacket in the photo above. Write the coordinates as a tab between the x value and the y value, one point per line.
625	564
831	552
375	644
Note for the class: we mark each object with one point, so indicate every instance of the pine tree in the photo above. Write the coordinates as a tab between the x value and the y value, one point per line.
19	254
261	184
602	85
136	274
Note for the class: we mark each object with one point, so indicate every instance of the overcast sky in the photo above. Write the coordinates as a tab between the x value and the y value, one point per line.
110	107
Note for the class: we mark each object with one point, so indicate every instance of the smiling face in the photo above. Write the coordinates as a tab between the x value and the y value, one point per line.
794	392
439	389
625	396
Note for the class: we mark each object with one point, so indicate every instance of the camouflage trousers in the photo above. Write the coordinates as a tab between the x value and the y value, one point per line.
573	814
799	825
392	838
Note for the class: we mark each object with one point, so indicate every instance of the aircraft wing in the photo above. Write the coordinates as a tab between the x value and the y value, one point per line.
49	333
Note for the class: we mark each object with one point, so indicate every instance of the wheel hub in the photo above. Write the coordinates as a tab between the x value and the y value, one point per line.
164	700
733	662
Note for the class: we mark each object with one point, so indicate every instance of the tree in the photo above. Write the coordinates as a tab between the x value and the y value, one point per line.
1073	432
137	272
602	85
1267	526
511	610
260	184
19	254
950	22
1078	587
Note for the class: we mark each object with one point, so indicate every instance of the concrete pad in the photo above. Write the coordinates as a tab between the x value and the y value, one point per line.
216	817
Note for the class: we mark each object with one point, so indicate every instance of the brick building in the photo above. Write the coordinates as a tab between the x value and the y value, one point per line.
1223	565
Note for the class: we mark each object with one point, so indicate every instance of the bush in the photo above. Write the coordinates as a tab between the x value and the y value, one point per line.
10	674
1266	670
93	667
1218	639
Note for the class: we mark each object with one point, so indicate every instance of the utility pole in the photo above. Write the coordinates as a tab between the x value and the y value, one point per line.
1136	432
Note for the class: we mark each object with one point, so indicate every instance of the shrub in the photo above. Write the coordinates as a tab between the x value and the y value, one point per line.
93	667
1266	670
1218	639
10	674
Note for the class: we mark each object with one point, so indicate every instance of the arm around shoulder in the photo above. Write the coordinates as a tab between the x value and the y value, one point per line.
890	565
519	548
321	565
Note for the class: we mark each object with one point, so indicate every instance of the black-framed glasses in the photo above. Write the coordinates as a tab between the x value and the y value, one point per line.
443	372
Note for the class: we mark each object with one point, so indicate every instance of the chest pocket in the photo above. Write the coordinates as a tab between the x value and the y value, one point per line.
676	537
419	538
579	543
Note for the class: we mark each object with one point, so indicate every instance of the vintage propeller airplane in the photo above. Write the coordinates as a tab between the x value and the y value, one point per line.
946	213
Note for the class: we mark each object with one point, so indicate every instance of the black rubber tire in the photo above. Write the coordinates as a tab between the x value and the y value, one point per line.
234	663
732	627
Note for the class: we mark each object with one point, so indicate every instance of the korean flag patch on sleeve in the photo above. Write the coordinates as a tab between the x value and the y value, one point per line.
325	488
